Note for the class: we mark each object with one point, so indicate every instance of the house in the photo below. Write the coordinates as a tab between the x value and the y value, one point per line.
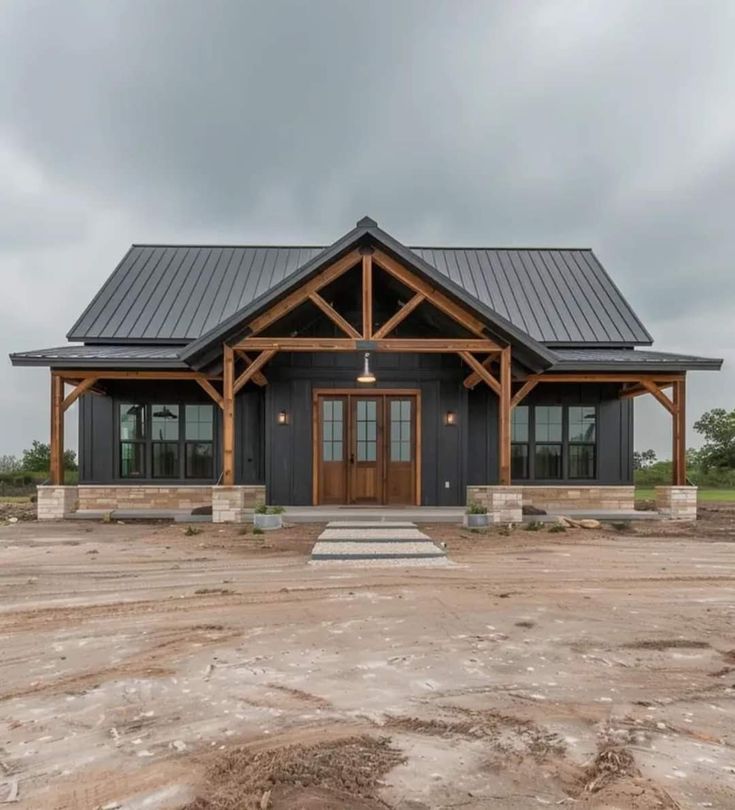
366	372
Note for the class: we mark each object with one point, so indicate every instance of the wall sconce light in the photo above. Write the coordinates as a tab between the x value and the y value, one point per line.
450	418
282	417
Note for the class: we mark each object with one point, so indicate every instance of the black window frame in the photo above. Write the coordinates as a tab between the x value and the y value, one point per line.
584	444
526	445
565	444
148	442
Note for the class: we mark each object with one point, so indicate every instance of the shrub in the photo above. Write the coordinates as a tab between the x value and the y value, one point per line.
535	526
192	530
476	508
555	528
264	509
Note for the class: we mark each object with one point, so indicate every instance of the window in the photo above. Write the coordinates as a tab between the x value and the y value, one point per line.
132	440
519	442
165	441
332	429
199	443
582	421
400	430
169	440
548	436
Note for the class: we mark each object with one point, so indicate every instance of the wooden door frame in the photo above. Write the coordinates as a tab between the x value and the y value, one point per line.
361	392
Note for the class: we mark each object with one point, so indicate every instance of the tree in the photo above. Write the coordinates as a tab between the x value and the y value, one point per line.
9	464
643	459
38	458
718	428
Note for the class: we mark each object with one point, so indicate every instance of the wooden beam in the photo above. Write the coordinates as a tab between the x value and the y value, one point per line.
431	345
637	390
504	417
80	389
613	377
522	393
473	379
481	371
334	316
400	316
441	301
56	471
228	416
212	391
652	388
259	378
252	369
367	295
301	294
679	466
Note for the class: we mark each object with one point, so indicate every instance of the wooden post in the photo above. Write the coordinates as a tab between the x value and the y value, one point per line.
367	295
56	472
228	416
679	465
504	422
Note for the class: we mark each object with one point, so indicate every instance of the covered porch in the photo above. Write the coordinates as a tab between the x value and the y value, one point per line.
363	306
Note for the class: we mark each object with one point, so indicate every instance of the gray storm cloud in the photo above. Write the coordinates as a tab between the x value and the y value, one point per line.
597	124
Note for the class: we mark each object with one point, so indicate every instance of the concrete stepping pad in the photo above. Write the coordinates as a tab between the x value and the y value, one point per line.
372	534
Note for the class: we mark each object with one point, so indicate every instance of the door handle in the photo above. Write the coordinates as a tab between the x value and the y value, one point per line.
352	458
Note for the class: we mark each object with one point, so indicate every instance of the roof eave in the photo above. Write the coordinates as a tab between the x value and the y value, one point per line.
705	364
96	363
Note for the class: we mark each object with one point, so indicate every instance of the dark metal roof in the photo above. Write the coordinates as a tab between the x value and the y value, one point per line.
103	356
630	360
557	296
179	293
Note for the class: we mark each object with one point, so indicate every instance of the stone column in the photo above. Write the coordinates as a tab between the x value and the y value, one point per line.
677	503
55	503
236	504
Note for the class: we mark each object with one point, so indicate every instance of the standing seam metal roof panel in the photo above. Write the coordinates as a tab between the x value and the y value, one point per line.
179	293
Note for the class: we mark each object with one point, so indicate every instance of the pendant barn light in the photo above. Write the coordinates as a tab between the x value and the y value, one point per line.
366	376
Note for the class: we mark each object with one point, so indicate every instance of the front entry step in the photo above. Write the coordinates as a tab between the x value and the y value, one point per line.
375	543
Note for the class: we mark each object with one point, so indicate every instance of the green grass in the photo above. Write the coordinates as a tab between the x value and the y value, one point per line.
646	494
15	498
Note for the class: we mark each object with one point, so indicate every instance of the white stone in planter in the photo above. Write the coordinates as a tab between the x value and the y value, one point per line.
266	522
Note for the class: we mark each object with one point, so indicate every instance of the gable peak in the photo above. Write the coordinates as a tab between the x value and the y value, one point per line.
366	222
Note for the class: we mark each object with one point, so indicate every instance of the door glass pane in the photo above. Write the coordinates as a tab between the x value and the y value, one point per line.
165	422
332	430
367	430
400	430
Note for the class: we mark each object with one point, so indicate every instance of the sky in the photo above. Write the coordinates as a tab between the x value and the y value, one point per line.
588	124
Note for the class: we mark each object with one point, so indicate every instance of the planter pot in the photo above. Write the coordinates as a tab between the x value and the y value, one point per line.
266	522
476	521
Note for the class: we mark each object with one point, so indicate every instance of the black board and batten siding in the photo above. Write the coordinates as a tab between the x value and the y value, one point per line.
281	455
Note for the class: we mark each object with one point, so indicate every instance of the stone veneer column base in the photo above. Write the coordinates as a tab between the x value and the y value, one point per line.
504	504
677	503
236	504
56	502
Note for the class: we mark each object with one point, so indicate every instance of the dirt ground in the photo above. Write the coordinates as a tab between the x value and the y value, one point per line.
143	667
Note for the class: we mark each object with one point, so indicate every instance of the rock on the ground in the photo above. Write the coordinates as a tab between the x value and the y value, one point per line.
590	523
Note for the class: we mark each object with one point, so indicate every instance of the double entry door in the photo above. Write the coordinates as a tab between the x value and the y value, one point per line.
366	447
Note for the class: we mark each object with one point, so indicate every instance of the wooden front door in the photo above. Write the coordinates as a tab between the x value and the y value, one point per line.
366	447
